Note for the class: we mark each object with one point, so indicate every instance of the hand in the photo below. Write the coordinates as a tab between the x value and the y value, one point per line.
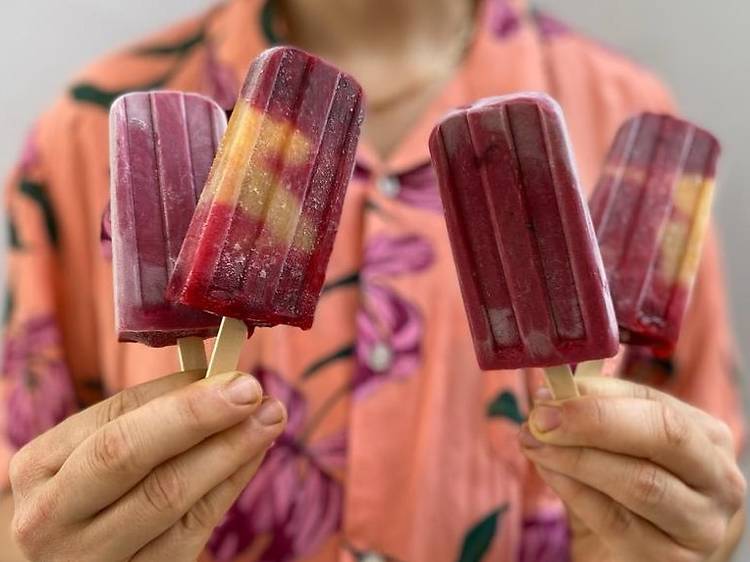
645	477
145	475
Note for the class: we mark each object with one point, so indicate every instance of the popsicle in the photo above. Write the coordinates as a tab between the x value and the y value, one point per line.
258	246
162	146
651	209
529	267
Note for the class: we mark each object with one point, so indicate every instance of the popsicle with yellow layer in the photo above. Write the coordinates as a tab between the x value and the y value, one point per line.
259	243
650	210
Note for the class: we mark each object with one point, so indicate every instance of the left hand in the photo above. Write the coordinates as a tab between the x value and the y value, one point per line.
644	477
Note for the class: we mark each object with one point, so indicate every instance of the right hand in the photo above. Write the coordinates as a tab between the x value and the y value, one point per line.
145	475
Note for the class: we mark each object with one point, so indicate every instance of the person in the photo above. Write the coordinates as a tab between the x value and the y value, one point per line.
390	444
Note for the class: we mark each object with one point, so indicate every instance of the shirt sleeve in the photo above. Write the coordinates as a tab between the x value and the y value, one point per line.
36	388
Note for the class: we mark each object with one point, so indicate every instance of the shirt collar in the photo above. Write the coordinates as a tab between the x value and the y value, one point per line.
505	55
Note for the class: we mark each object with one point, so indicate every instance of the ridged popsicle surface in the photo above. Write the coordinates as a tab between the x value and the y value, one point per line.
162	147
529	268
259	244
651	209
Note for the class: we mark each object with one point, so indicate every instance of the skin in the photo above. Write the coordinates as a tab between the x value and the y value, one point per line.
145	475
644	476
117	482
402	52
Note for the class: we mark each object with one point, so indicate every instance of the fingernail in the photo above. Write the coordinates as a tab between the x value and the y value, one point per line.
527	440
243	390
543	394
270	412
546	418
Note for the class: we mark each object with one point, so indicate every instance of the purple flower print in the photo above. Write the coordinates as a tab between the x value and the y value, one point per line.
546	538
550	27
293	504
417	188
389	328
105	233
392	257
503	18
41	392
29	153
389	340
220	80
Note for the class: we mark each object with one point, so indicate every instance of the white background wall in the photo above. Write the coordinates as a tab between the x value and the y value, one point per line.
701	48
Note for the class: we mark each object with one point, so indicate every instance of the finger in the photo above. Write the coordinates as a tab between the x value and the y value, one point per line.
121	453
630	426
642	487
171	490
718	431
630	536
187	538
44	456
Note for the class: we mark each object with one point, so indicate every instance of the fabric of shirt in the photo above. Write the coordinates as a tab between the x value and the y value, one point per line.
398	447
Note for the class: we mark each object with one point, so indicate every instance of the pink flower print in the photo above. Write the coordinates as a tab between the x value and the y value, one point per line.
105	233
392	257
220	80
293	504
41	393
545	538
29	153
550	27
416	188
503	18
389	327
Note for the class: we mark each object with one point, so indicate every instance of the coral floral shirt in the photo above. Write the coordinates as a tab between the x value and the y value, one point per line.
398	447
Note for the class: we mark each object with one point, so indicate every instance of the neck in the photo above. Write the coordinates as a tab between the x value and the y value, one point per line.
332	27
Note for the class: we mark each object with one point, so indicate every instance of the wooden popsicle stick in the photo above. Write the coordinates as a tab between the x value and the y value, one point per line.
226	354
590	368
192	354
560	381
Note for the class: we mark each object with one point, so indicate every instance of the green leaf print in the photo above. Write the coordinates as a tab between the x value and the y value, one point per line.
338	355
90	93
347	280
505	405
479	538
38	193
180	48
8	308
87	92
14	240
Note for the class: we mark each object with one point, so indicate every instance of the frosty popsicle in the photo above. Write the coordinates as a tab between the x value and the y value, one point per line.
651	209
258	246
162	146
529	268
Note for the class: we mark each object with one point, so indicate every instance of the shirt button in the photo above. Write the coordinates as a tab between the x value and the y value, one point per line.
380	358
389	186
371	557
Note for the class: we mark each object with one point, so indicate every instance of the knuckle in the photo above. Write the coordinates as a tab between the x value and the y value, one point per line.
164	490
18	467
112	450
721	434
29	529
594	411
616	519
201	517
192	407
120	404
736	488
649	485
713	534
673	426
